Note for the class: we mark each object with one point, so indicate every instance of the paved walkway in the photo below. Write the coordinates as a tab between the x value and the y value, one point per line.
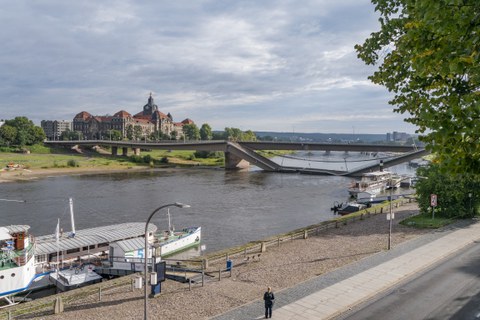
328	296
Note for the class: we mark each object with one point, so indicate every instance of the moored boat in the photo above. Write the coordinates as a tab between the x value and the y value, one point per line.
17	270
350	207
171	241
371	182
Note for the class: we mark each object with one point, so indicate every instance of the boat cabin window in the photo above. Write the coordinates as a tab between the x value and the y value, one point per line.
92	246
73	250
104	244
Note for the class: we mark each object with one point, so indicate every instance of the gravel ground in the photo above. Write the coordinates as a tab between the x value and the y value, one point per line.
291	263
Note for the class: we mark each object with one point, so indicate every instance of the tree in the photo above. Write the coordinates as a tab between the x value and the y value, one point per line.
8	134
457	195
130	132
137	132
428	53
206	132
26	133
70	135
191	131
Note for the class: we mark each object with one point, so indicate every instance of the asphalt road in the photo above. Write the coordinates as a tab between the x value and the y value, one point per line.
449	290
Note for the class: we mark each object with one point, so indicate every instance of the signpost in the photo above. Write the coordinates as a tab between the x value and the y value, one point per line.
433	204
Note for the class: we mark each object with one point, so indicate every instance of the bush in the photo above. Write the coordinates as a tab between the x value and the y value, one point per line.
73	163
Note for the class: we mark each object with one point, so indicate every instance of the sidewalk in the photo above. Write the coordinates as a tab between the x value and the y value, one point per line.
332	294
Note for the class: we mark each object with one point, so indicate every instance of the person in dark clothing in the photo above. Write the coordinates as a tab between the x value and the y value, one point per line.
268	297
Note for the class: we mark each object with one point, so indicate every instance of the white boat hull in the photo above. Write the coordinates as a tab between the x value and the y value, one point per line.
182	243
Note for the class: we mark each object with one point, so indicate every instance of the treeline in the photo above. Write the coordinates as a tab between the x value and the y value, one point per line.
20	132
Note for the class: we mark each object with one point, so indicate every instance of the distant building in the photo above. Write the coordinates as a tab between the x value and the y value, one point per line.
397	136
148	122
54	128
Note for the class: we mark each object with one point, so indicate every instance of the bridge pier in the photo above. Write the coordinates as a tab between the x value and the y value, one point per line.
232	162
136	151
124	151
114	151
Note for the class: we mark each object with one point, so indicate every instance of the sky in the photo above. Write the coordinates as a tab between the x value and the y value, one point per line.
270	65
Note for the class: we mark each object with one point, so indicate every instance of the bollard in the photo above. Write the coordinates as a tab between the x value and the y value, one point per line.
203	277
263	247
278	242
219	274
305	234
132	284
226	257
205	263
189	284
99	294
58	305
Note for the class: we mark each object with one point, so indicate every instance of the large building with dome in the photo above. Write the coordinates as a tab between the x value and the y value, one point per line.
148	123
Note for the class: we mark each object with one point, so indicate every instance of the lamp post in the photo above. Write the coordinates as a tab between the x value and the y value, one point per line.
390	221
176	204
470	208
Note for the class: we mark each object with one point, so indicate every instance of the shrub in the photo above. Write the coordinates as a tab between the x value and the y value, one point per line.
73	163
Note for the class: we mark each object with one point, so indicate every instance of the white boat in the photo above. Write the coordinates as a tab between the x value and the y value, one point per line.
17	270
371	182
171	241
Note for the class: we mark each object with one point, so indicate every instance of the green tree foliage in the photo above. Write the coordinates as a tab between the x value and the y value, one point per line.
428	53
130	132
236	134
191	131
21	132
458	195
70	135
206	132
137	132
8	134
114	135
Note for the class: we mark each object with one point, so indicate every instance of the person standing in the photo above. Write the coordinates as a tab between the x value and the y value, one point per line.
268	297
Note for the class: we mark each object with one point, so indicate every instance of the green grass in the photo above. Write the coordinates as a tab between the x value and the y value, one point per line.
425	221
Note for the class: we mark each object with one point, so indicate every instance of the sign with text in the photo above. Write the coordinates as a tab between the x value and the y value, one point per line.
433	200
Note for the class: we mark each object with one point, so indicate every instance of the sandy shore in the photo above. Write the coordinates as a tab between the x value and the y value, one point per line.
280	267
26	174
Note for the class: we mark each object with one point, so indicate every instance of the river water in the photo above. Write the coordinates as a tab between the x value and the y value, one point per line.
231	207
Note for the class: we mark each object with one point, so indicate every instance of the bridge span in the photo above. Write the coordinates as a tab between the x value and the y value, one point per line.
240	155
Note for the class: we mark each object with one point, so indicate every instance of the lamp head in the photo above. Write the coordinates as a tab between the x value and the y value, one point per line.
182	205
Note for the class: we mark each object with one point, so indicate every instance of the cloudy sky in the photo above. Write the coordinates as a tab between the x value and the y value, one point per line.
270	65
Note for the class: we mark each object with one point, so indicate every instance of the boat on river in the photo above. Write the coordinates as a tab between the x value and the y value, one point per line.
372	183
348	207
17	270
171	241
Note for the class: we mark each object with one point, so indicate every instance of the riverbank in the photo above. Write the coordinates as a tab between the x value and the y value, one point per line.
17	175
280	267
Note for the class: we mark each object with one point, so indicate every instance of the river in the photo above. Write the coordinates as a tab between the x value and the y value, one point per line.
231	207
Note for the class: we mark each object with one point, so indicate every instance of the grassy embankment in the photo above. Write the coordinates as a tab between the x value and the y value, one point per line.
41	157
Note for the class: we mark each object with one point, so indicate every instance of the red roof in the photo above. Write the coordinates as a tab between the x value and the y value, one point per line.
122	114
83	115
188	121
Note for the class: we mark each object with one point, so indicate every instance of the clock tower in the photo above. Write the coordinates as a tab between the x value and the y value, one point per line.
150	107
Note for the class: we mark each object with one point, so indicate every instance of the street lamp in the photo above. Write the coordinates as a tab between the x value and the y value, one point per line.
470	208
176	204
390	221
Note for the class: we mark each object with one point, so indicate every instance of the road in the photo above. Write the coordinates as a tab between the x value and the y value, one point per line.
450	290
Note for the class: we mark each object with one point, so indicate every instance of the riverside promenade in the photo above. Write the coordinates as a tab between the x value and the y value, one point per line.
329	296
314	278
